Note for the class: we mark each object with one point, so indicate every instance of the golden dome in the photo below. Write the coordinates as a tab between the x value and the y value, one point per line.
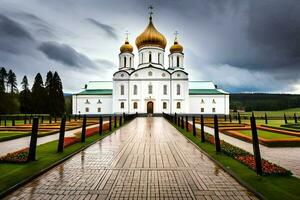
151	37
176	47
126	48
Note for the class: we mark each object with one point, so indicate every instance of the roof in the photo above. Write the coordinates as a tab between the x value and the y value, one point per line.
96	92
206	92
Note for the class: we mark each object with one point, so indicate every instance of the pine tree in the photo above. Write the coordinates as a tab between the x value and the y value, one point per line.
38	95
3	77
25	94
49	93
58	94
12	81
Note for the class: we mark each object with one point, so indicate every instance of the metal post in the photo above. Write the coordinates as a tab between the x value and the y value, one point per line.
182	123
266	118
202	128
33	139
109	122
230	118
256	147
285	119
295	118
13	122
69	118
5	121
100	125
83	129
217	139
42	119
50	119
60	147
225	118
194	127
175	119
25	120
187	123
55	119
115	121
124	117
239	118
120	121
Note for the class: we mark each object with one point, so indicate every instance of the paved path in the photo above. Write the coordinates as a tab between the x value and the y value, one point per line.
23	142
145	159
287	157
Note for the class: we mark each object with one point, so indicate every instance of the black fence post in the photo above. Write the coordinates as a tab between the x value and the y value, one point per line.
33	139
69	118
175	118
187	123
13	122
42	119
5	121
217	139
295	118
100	125
109	122
225	118
230	118
25	120
178	121
256	147
55	119
266	118
239	118
83	129
115	121
124	117
182	123
120	121
50	119
285	119
0	120
60	147
75	117
202	128
194	126
30	117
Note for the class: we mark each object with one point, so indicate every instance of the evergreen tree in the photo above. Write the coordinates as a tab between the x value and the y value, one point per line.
59	104
12	81
38	95
49	93
25	97
3	77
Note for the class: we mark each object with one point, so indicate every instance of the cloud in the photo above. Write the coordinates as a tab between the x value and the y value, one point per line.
109	30
65	54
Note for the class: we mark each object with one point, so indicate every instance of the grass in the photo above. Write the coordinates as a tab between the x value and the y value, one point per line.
279	113
7	135
271	187
267	134
13	173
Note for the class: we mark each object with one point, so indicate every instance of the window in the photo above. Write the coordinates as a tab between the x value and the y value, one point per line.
87	102
125	61
122	105
142	58
177	61
213	110
202	101
99	109
99	101
130	62
150	57
202	110
213	101
178	89
135	89
122	89
150	73
178	105
135	105
150	89
164	105
165	89
158	58
87	109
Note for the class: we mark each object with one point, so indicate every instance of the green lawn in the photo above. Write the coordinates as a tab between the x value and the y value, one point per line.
12	174
267	134
6	135
279	113
271	187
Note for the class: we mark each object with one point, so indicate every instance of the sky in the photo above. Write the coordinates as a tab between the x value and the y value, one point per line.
241	45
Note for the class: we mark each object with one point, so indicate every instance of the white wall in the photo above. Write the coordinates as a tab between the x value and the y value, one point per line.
221	104
80	105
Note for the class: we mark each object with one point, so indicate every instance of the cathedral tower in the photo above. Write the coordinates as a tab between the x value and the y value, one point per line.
126	57
176	55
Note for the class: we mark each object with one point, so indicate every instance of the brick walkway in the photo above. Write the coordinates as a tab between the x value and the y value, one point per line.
146	159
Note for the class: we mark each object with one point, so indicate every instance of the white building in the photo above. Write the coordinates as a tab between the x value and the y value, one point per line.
151	86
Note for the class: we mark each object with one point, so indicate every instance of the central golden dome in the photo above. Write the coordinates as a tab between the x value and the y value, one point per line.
151	37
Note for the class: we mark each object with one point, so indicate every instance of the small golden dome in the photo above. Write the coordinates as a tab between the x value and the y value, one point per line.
176	47
126	48
151	37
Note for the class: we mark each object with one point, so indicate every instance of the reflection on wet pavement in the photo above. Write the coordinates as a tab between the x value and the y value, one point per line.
146	159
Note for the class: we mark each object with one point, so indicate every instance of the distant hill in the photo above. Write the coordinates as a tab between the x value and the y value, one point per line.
263	102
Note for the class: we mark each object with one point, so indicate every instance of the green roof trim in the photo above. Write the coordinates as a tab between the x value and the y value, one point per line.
96	92
205	92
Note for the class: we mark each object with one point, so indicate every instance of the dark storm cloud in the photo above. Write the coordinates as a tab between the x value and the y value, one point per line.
109	30
65	54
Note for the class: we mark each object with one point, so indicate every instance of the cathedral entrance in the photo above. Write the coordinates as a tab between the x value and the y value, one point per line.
150	107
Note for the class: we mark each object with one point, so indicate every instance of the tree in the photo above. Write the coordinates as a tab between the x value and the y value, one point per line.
59	104
12	81
38	95
3	77
49	93
25	97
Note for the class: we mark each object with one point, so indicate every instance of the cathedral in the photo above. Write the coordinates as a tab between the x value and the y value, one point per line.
153	85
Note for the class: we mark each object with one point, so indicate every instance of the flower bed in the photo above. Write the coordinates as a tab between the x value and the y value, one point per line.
248	159
70	140
19	156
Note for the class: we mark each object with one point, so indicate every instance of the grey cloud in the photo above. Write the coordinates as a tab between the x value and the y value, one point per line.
109	30
65	54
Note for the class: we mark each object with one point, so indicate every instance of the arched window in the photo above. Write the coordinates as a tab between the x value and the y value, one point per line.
150	89
177	61
178	105
213	110
130	62
165	89
99	109
158	58
135	89
87	101
213	101
122	89
171	62
150	57
142	60
150	73
164	105
125	62
135	105
202	101
178	89
87	109
122	105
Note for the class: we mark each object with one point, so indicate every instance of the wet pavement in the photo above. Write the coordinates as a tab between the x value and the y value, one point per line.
146	159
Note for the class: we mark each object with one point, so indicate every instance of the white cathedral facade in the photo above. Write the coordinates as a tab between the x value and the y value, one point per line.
154	85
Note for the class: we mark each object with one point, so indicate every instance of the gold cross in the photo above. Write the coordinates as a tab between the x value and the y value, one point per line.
150	8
